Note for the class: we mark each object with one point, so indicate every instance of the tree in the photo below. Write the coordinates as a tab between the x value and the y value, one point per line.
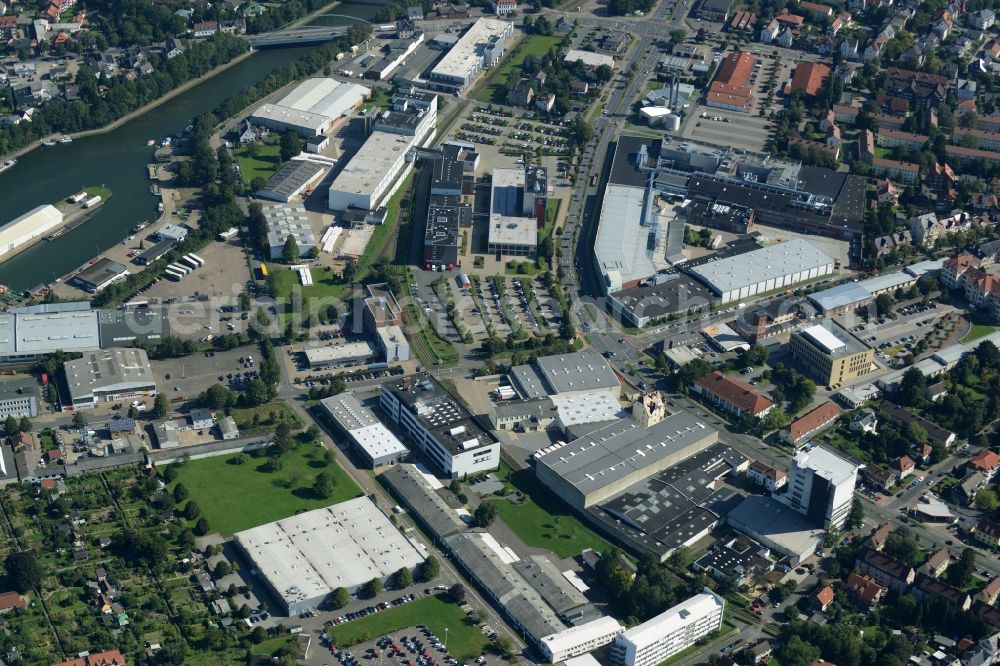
485	514
283	437
180	493
23	572
774	420
161	405
290	253
202	527
430	569
960	573
216	397
373	588
912	388
902	546
504	646
340	598
883	305
222	569
677	37
25	424
457	592
323	485
604	74
291	145
857	515
10	425
987	500
259	634
192	511
402	578
78	420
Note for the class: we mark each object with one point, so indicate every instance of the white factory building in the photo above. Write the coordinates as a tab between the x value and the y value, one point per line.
304	558
581	639
284	220
28	227
773	267
369	178
109	375
369	437
821	486
313	107
672	631
480	47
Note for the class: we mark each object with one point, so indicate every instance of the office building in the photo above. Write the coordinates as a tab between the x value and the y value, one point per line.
439	426
770	268
392	344
830	355
371	440
99	275
517	210
381	308
821	486
336	356
284	220
312	108
582	639
670	632
18	397
304	558
109	375
482	46
445	216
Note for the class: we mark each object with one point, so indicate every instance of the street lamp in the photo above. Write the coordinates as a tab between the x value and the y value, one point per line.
446	638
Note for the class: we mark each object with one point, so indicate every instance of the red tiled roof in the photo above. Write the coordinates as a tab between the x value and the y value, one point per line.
902	464
896	164
809	77
985	460
737	393
816	8
12	600
824	596
791	19
813	420
106	658
864	586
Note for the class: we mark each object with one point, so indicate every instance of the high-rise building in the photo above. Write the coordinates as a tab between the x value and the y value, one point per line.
656	640
821	486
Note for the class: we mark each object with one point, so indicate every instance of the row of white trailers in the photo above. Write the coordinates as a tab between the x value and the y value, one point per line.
178	270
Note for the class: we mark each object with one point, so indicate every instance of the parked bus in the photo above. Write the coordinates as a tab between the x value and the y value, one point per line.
171	273
201	262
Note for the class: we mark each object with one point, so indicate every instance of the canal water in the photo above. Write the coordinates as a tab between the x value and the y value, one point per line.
117	160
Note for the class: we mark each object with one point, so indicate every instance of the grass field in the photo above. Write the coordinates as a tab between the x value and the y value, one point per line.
442	352
977	331
495	88
263	418
543	521
465	640
263	496
103	192
264	164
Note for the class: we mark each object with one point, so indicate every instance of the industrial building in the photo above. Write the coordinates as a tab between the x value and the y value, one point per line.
30	335
411	487
291	180
372	174
18	397
172	232
673	508
26	228
368	436
607	460
565	375
842	298
821	486
767	269
777	526
733	396
99	275
447	213
396	51
109	375
157	251
657	298
304	558
392	344
517	210
439	425
830	354
132	326
580	639
313	107
589	58
672	631
338	356
482	46
284	220
381	308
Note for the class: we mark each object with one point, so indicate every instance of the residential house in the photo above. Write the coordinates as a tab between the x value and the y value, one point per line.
879	535
544	103
990	591
886	193
902	467
926	587
762	474
504	7
521	94
981	20
935	433
879	477
843	20
803	428
985	461
907	172
849	49
863	591
937	391
204	29
987	533
885	570
173	48
821	599
770	32
103	658
922	453
864	421
233	26
12	600
969	487
937	563
761	652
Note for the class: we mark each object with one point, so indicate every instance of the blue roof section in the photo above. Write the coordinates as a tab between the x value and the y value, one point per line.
839	296
121	425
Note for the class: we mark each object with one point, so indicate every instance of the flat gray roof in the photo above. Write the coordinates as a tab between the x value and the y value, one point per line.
608	454
776	525
565	373
12	388
291	178
842	295
108	371
827	334
767	263
414	490
43	333
348	411
550	584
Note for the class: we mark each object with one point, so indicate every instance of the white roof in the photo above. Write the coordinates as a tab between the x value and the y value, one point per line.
725	336
824	338
653	630
46	332
582	634
345	545
284	220
767	263
314	103
30	225
590	407
588	58
583	660
338	352
376	157
826	464
621	241
378	441
887	281
466	54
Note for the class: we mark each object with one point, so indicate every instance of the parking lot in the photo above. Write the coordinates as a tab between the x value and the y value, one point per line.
187	377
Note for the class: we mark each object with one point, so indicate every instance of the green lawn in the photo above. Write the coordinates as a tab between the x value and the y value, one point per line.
103	192
442	352
978	331
262	496
543	521
465	640
263	418
264	164
495	88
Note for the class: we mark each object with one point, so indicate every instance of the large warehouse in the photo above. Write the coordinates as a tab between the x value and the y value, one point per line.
480	47
291	180
304	558
28	227
370	438
602	463
781	265
109	375
284	220
104	273
312	108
